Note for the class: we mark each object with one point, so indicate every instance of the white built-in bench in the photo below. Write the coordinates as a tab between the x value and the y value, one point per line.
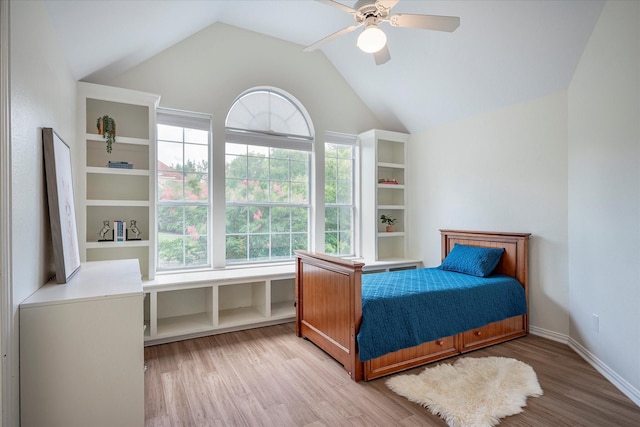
192	304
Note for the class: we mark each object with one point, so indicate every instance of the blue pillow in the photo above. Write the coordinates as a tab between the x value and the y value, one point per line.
472	260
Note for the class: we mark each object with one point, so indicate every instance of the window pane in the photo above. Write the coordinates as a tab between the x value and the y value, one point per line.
259	219
344	167
343	192
237	190
196	158
196	136
170	156
299	219
299	192
345	219
281	246
196	186
170	251
280	191
236	166
258	168
236	248
196	221
237	219
258	191
280	219
279	169
169	186
196	251
331	219
258	247
170	133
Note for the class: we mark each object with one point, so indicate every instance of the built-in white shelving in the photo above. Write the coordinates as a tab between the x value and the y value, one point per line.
108	194
383	155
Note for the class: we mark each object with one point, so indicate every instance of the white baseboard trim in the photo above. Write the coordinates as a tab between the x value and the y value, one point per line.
630	391
615	379
545	333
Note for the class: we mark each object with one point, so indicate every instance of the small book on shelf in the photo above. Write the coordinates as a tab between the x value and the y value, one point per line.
119	228
120	165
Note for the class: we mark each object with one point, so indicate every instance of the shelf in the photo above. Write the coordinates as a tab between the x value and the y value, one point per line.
119	139
132	203
391	207
390	165
116	171
239	316
387	234
185	324
392	186
127	243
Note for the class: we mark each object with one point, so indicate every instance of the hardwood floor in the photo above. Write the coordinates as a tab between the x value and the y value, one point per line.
270	377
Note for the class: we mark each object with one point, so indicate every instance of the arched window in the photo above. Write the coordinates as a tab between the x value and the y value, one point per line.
269	140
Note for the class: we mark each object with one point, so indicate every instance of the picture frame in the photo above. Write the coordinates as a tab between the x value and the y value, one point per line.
62	212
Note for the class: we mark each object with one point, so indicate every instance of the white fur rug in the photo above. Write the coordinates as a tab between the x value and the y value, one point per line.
473	392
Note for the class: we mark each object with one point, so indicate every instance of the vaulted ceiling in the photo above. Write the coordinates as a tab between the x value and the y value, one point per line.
504	52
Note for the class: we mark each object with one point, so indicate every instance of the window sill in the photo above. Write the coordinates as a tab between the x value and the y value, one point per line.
223	275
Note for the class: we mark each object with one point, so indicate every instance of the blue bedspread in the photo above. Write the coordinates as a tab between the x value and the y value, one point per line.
406	308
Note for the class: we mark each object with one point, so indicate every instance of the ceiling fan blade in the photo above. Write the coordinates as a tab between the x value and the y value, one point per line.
337	5
425	22
388	4
331	37
382	56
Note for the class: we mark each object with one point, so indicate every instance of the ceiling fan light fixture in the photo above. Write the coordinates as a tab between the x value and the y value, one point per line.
371	39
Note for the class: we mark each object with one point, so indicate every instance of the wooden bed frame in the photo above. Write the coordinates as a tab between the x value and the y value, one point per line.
329	307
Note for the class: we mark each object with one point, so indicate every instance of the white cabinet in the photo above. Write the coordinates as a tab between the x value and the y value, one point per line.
107	193
383	184
194	304
81	349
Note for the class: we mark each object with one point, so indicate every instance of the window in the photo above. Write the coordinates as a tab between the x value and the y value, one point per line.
183	208
339	162
267	178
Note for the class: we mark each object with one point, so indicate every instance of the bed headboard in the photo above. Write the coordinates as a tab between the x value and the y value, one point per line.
515	259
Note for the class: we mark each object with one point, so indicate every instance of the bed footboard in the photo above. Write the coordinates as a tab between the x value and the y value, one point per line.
329	306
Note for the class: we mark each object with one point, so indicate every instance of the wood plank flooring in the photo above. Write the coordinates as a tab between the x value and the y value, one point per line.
270	377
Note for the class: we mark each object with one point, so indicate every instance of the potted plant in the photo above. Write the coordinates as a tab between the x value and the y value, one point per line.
389	221
107	128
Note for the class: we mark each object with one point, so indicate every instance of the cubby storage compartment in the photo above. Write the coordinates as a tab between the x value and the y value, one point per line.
241	303
132	120
103	251
134	151
96	215
117	186
283	296
184	311
391	246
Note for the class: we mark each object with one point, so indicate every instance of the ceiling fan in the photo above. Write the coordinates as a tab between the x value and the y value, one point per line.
371	13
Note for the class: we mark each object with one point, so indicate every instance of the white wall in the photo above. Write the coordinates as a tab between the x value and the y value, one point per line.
43	94
500	171
208	70
604	192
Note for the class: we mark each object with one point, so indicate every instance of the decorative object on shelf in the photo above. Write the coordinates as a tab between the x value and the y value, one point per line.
389	221
120	165
107	128
133	232
64	234
392	181
104	232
